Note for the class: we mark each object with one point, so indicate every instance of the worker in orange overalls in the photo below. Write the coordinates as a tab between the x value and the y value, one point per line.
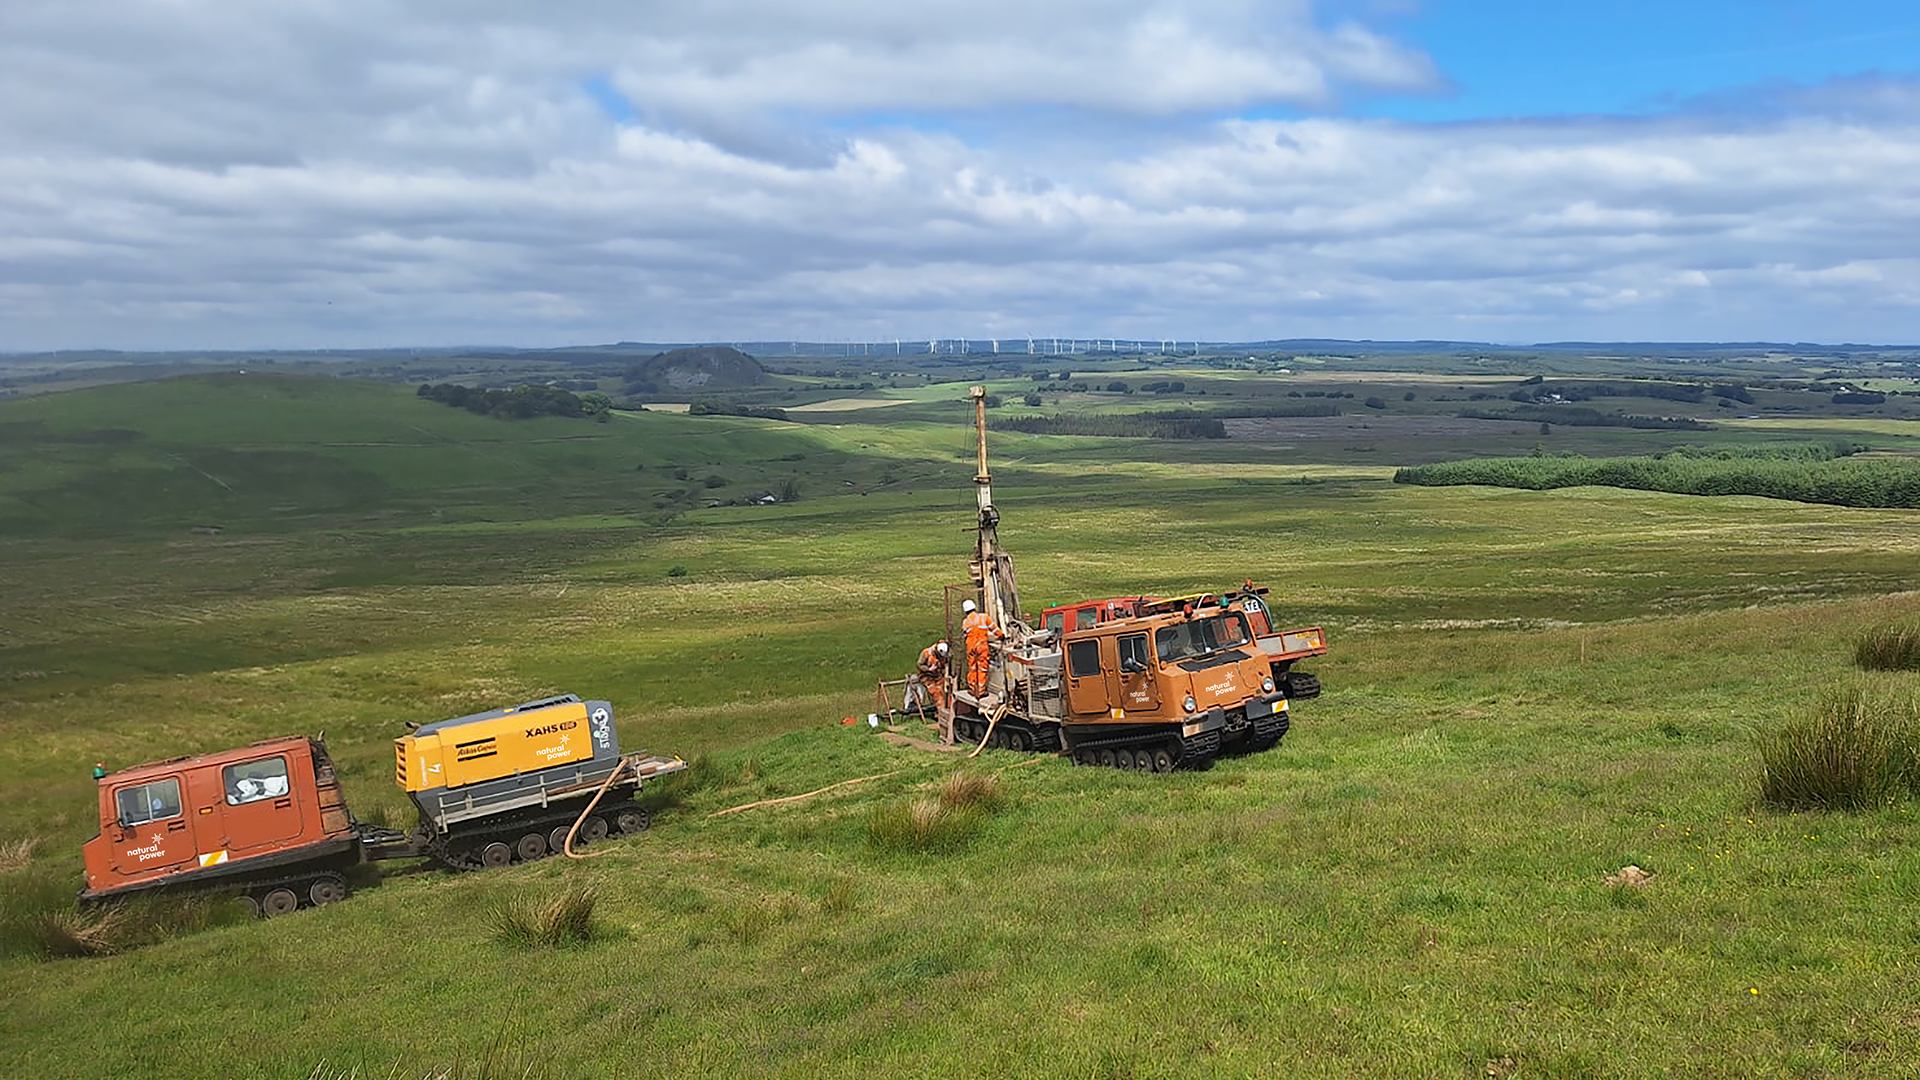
928	686
979	630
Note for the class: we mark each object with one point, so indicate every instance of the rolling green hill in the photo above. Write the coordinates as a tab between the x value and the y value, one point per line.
1528	690
276	454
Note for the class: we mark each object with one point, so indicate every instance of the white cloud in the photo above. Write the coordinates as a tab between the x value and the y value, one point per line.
355	172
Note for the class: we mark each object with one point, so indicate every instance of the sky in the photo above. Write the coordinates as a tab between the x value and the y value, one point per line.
253	174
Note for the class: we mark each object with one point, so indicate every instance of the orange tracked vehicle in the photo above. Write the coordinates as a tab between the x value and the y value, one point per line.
1284	648
1166	685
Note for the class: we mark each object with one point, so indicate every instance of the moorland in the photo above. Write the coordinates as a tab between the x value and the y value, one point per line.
1528	690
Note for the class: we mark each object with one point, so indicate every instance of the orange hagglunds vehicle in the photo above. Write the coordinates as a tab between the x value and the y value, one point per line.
269	823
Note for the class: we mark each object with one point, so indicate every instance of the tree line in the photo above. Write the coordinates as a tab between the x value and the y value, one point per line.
519	403
1826	473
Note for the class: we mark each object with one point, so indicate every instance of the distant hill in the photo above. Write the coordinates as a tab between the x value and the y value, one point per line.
265	453
694	370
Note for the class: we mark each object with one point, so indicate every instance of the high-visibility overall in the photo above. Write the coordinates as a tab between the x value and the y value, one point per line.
979	630
929	678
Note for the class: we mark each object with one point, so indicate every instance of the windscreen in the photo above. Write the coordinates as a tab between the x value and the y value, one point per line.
1200	637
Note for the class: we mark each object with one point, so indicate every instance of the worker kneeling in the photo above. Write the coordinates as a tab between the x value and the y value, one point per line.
928	685
980	630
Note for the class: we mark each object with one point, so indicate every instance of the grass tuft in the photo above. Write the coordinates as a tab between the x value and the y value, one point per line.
964	789
562	919
16	854
1893	647
839	898
39	918
924	825
72	932
1859	748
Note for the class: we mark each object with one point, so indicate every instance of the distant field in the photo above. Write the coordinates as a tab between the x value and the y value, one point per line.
1526	692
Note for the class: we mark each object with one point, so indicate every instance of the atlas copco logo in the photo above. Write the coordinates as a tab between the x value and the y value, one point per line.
564	725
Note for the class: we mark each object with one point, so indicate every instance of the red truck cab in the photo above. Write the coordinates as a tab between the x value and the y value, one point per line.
267	818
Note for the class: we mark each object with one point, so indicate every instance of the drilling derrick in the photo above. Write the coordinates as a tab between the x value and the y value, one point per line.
992	567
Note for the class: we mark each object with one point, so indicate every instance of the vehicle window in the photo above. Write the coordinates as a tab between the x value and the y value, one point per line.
251	781
1084	657
1173	642
149	802
1085	617
1057	621
1133	653
1200	637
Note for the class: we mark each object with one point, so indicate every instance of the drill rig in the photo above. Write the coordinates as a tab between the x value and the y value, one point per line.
1166	689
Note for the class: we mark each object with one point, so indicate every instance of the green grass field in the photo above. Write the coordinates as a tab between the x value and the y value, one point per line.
1527	692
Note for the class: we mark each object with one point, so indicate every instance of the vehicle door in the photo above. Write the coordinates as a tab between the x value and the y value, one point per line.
1086	678
260	804
1133	683
150	831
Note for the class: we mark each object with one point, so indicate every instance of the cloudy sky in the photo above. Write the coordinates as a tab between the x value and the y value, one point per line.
329	173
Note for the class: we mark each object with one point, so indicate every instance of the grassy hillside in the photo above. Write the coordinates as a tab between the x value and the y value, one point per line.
1528	691
254	454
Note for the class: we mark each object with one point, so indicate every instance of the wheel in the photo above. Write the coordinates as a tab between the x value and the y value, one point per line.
1143	760
1162	761
1019	741
1084	757
327	891
557	839
496	854
249	905
530	847
279	902
593	830
632	819
1106	757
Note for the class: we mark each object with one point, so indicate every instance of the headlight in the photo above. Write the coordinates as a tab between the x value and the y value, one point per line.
1266	685
1188	704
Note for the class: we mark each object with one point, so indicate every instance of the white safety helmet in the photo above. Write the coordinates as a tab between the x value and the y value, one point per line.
940	649
967	607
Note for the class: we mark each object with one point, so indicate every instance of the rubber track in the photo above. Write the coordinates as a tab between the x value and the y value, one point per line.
461	851
301	884
1299	685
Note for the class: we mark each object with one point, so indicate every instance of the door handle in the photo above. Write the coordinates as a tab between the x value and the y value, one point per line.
282	804
176	826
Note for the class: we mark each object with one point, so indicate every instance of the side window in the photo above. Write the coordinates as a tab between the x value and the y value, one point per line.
1133	653
1085	617
1057	621
1083	657
251	781
149	802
